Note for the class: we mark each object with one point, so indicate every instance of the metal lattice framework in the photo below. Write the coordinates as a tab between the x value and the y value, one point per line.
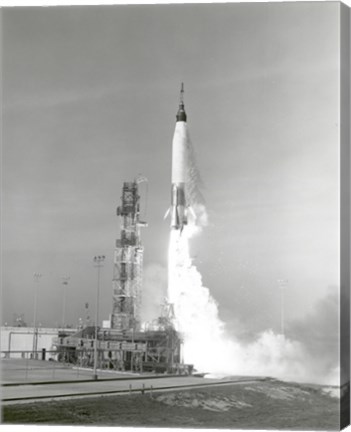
128	262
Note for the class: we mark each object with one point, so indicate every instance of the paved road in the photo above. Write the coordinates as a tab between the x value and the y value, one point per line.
19	376
50	391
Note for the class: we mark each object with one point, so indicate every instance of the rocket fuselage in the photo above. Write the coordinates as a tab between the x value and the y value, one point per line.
179	153
178	208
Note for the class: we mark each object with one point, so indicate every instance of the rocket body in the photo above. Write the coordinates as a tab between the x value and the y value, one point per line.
178	209
179	165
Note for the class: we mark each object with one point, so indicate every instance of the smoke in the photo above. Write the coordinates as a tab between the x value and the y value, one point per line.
207	343
193	186
154	289
318	333
209	347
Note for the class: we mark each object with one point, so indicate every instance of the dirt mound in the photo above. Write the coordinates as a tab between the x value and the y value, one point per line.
281	392
332	391
202	400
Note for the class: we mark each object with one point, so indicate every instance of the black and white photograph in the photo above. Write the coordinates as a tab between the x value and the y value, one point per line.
176	215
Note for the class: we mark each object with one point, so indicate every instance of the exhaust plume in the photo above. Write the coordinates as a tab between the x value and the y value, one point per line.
207	344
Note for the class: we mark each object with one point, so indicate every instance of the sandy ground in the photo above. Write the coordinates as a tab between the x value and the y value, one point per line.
264	405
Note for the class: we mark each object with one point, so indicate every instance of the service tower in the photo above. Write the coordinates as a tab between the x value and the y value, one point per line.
128	262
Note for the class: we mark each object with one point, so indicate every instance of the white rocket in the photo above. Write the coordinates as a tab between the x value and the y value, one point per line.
179	207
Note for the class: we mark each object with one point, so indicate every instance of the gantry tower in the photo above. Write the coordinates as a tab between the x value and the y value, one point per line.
128	261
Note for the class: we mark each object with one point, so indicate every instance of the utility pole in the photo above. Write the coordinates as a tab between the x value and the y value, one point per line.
99	262
36	277
65	280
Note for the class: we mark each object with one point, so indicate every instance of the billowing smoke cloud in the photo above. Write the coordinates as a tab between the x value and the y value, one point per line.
318	333
154	290
209	347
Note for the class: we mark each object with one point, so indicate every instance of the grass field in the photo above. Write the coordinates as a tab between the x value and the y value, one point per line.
269	404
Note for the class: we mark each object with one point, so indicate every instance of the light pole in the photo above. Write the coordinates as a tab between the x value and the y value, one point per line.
282	283
99	262
36	277
65	280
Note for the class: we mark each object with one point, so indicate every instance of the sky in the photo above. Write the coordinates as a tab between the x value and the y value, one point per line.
90	96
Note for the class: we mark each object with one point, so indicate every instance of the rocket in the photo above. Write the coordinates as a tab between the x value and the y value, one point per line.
179	207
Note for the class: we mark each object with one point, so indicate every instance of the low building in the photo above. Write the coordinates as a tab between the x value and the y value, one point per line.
150	351
27	342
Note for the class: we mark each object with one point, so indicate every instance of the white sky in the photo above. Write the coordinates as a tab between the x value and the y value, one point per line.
90	96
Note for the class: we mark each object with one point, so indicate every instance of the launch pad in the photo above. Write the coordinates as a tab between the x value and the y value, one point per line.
157	351
124	346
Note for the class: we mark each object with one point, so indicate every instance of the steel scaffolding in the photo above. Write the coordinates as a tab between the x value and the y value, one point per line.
128	262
